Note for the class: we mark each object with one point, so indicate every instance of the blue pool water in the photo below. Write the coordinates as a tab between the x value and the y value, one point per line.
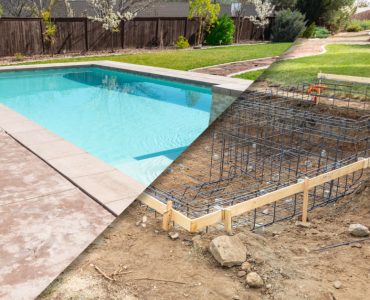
136	123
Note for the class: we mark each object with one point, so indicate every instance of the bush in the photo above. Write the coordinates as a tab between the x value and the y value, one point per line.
182	42
321	33
358	25
353	28
288	26
310	31
18	56
222	33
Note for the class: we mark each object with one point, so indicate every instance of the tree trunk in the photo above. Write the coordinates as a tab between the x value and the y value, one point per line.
199	31
112	40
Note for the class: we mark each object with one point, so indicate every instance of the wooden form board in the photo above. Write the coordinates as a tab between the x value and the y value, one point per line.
225	215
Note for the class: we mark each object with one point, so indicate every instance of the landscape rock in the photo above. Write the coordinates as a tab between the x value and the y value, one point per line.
254	280
229	251
303	224
246	266
199	243
358	230
242	273
337	284
173	235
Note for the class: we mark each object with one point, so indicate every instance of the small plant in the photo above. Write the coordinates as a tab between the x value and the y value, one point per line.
50	28
222	33
310	31
321	33
182	42
18	56
288	26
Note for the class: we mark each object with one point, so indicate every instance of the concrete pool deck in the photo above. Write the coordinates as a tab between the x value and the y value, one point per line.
55	197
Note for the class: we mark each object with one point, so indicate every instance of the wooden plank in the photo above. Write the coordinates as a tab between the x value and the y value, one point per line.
181	220
153	203
354	79
323	178
167	217
204	221
305	200
260	201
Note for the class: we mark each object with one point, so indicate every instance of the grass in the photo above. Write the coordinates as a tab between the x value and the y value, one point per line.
252	75
188	59
353	60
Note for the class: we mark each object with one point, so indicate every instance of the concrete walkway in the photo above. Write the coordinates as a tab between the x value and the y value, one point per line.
45	222
311	47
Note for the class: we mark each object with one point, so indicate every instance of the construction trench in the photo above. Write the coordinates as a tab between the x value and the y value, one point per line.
267	141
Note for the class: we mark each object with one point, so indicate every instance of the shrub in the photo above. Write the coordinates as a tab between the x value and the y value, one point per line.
18	56
321	33
310	31
358	25
222	33
182	42
353	27
288	26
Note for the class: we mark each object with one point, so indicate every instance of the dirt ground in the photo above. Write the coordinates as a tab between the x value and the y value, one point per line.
149	265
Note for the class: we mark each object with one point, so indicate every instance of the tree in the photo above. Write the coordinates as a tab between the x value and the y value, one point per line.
206	12
288	26
1	10
110	13
325	12
241	9
18	8
264	10
284	4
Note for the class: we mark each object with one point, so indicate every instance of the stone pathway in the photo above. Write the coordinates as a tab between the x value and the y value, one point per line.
45	222
237	67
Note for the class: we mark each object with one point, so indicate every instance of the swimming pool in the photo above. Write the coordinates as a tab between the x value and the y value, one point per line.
138	124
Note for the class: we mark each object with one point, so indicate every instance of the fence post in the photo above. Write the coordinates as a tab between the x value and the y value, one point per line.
305	199
226	216
42	37
167	217
86	35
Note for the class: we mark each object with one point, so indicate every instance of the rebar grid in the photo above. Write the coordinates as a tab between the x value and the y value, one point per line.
266	141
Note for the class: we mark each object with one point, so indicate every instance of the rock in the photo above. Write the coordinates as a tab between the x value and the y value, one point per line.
241	273
229	251
337	284
303	224
358	230
246	266
236	297
268	286
265	211
173	235
143	225
199	244
138	223
254	280
145	219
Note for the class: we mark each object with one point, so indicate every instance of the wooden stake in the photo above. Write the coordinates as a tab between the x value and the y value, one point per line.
167	217
227	221
305	200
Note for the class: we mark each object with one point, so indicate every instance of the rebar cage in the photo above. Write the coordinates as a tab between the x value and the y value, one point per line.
263	142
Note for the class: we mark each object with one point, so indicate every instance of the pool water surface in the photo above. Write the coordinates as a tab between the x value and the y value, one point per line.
138	124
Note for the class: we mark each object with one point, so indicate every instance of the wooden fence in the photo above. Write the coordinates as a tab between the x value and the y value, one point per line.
170	215
79	35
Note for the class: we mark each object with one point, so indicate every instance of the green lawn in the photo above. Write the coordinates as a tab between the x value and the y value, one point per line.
252	75
351	60
189	59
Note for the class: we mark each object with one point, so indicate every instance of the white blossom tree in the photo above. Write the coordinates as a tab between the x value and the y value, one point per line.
110	13
264	10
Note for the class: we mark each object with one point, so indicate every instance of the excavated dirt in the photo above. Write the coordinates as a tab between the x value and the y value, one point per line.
149	265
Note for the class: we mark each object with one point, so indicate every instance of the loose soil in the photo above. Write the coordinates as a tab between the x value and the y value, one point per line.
152	266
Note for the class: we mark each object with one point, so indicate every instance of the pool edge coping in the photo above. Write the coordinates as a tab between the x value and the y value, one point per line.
220	84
